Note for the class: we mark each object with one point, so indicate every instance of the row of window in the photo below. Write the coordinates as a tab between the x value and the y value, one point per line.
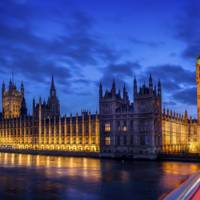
124	140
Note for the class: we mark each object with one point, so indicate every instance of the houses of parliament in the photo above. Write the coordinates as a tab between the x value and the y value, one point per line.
141	128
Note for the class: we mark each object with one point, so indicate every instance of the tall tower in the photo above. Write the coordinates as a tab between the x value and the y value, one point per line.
53	102
198	88
13	102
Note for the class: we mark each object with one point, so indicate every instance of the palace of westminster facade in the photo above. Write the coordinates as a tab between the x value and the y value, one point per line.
141	128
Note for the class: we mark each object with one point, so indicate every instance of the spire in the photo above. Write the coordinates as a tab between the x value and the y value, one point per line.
113	88
155	90
52	89
33	106
23	107
3	87
40	100
119	93
53	102
150	83
135	87
22	87
124	91
52	83
10	85
34	102
159	88
100	90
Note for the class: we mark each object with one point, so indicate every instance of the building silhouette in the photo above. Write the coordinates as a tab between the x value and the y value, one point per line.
138	129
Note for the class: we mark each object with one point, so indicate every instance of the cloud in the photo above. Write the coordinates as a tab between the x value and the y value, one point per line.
146	43
179	83
27	49
173	77
187	96
188	29
120	72
169	103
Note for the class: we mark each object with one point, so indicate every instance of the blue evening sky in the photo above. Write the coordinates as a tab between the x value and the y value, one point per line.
82	42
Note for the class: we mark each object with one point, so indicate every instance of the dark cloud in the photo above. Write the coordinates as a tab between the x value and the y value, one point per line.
179	83
40	38
188	29
120	72
153	44
169	103
173	77
35	56
186	96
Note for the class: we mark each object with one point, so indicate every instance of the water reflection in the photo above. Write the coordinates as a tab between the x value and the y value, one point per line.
53	177
54	166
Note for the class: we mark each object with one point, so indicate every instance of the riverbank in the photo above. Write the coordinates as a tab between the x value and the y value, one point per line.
159	157
179	157
53	153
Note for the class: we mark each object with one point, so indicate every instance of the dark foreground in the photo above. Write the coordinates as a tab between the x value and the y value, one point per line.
50	177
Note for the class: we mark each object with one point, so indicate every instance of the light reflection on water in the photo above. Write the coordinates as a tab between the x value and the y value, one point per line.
53	177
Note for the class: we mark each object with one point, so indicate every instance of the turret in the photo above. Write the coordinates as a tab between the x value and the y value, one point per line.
186	116
12	100
119	93
33	106
3	87
52	89
23	110
159	88
22	88
155	90
100	90
10	85
113	90
150	83
40	101
124	92
125	95
135	88
53	102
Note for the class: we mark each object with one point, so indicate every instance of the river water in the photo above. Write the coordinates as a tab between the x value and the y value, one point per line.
35	177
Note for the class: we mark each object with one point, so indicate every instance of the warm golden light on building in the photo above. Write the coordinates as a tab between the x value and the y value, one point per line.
59	134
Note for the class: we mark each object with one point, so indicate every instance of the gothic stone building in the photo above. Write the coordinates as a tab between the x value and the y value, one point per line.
140	128
131	128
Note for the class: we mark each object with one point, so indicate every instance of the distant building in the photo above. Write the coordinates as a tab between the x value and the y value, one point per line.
141	128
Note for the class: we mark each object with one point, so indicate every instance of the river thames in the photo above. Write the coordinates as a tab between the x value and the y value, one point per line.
33	177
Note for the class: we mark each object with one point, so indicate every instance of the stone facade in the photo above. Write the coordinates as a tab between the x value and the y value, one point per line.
131	128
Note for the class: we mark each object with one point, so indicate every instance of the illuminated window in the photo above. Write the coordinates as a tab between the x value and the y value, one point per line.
107	127
107	140
124	126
